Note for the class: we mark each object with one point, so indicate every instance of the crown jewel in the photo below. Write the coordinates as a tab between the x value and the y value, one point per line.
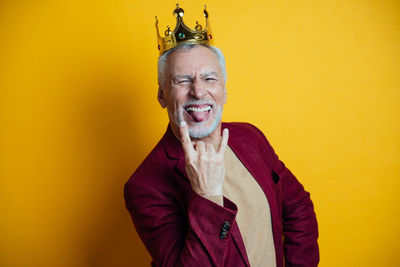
182	33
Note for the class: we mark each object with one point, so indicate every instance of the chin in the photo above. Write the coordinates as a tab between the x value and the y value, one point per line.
199	131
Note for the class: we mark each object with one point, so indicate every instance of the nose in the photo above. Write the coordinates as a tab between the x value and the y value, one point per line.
197	89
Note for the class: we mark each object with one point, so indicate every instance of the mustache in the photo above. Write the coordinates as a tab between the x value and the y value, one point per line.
198	102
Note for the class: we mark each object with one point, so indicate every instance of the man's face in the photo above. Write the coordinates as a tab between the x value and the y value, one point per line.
194	90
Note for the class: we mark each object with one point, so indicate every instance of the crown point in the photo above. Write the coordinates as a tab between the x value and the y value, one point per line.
178	11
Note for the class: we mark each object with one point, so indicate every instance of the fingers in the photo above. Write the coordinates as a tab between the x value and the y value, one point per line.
205	148
201	147
185	138
224	141
202	154
210	149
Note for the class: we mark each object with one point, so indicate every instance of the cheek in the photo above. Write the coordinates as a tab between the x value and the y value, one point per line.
178	97
221	94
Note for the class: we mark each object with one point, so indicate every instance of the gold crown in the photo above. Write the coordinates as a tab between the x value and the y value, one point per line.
182	33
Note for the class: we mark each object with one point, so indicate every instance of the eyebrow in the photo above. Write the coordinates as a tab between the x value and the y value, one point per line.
207	74
203	75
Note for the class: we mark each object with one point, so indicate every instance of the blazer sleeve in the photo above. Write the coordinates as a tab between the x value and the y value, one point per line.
174	237
299	223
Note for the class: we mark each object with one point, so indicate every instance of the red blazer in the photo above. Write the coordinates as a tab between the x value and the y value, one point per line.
181	228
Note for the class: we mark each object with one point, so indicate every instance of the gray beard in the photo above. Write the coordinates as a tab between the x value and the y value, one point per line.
199	130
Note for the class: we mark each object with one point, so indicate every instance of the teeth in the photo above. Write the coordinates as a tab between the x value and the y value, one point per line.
194	109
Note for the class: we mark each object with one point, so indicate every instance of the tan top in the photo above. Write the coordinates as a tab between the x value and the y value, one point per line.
253	217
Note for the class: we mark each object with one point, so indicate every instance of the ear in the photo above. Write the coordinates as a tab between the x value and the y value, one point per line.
161	97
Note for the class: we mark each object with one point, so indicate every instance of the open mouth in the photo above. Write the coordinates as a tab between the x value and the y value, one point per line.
198	113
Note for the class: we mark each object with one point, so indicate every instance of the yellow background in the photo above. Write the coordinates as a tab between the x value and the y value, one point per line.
78	113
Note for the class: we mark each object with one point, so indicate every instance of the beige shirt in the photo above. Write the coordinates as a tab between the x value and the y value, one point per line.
253	217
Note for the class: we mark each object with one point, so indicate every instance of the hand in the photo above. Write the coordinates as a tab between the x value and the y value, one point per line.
204	166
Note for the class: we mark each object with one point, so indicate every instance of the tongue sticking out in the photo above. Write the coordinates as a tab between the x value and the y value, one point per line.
198	113
199	116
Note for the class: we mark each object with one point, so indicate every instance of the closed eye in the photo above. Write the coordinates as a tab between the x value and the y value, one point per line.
210	76
182	81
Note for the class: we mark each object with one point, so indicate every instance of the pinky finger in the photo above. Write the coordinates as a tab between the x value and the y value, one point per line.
224	141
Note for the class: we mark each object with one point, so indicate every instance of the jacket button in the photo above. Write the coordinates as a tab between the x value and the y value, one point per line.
224	230
226	225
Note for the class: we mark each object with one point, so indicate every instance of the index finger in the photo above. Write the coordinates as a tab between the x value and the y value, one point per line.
224	141
185	138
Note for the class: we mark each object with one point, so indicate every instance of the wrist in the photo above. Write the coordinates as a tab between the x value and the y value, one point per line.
212	192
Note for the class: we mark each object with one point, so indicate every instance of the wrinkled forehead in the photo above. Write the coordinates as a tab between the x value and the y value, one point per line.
197	60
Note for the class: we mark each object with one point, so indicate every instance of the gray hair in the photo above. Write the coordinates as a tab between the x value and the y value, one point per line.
162	60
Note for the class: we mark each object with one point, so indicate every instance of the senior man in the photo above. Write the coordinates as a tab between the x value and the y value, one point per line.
212	193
